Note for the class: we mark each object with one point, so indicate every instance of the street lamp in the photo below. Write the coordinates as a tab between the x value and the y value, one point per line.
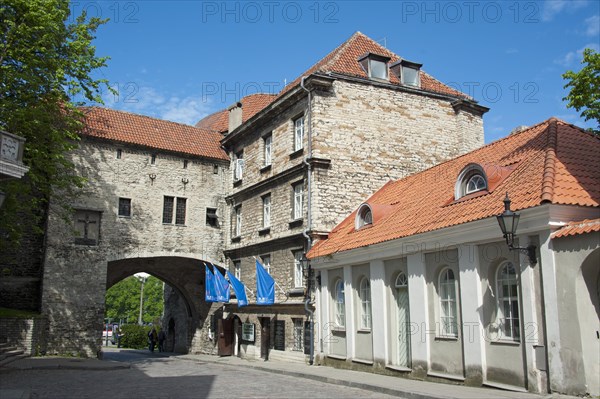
508	221
142	277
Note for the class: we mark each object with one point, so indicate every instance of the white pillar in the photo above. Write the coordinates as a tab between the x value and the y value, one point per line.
323	304
471	302
379	323
419	313
350	311
553	342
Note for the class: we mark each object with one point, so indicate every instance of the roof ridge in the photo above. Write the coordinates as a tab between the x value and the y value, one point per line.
550	162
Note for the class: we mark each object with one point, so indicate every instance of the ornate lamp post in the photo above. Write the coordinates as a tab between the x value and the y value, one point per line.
142	277
508	221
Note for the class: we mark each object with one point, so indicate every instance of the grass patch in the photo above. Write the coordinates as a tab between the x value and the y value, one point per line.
17	313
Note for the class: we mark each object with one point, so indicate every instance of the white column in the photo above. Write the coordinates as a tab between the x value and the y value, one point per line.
553	342
379	323
350	311
419	312
323	313
471	302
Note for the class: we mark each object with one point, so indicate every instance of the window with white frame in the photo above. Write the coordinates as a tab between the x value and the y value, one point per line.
237	228
266	262
447	297
470	180
297	212
298	334
508	301
378	69
237	269
238	166
340	304
266	200
364	295
364	216
299	133
298	276
268	140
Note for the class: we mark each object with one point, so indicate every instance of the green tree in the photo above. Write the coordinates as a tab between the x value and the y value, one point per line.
584	87
46	58
123	300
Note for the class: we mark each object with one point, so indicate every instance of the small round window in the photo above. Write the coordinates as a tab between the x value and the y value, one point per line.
471	180
475	183
364	216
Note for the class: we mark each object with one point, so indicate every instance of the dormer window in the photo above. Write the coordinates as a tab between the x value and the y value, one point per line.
364	216
375	65
407	72
472	179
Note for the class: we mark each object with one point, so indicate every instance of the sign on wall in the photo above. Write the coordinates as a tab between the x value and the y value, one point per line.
279	335
248	332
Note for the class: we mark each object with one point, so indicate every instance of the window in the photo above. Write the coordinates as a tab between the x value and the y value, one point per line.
508	301
410	76
298	276
237	228
215	169
378	69
364	295
266	261
153	159
471	180
364	216
125	207
238	167
447	292
298	201
237	269
268	140
119	153
168	205
298	334
173	205
266	200
340	304
299	133
211	217
185	164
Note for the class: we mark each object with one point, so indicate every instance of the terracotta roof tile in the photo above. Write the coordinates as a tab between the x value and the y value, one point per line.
142	130
251	105
576	228
550	162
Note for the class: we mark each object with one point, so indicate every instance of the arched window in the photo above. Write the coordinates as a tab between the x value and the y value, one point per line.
508	301
340	304
447	294
471	180
364	294
364	216
401	281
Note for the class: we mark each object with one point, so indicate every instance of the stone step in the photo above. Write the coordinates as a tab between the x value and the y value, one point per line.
10	353
10	359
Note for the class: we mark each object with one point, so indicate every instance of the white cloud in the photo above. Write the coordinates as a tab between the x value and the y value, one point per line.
553	7
569	58
592	25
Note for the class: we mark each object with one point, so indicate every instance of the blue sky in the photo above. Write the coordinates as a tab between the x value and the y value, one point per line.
182	60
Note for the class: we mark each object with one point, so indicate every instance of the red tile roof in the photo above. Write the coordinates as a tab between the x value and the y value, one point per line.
575	228
344	60
251	105
142	130
552	162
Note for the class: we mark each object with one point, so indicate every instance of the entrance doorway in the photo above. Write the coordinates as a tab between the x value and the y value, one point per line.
265	334
225	340
403	317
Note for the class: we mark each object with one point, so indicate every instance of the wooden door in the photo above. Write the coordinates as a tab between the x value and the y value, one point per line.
265	334
225	340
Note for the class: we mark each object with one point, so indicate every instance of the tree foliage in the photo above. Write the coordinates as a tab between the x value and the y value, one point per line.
123	300
46	58
584	94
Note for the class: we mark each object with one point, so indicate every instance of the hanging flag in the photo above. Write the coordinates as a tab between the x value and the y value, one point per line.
239	289
209	285
221	286
265	286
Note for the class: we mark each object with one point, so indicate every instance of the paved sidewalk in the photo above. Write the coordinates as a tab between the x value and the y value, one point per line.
402	387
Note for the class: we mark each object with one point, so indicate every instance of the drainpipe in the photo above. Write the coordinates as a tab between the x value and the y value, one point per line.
308	157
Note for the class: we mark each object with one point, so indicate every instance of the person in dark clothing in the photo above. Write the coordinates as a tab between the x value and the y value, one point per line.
161	340
152	338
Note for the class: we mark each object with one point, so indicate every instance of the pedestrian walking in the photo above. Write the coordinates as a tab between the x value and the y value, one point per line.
161	340
152	338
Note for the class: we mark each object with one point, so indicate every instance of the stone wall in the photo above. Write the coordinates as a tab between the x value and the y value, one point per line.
25	334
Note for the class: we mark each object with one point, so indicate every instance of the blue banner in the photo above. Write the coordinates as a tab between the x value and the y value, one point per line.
265	286
221	286
239	289
209	285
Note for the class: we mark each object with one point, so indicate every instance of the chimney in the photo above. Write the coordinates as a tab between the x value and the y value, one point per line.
235	116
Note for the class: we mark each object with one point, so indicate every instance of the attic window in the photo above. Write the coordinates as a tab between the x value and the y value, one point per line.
472	179
375	65
407	72
364	216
